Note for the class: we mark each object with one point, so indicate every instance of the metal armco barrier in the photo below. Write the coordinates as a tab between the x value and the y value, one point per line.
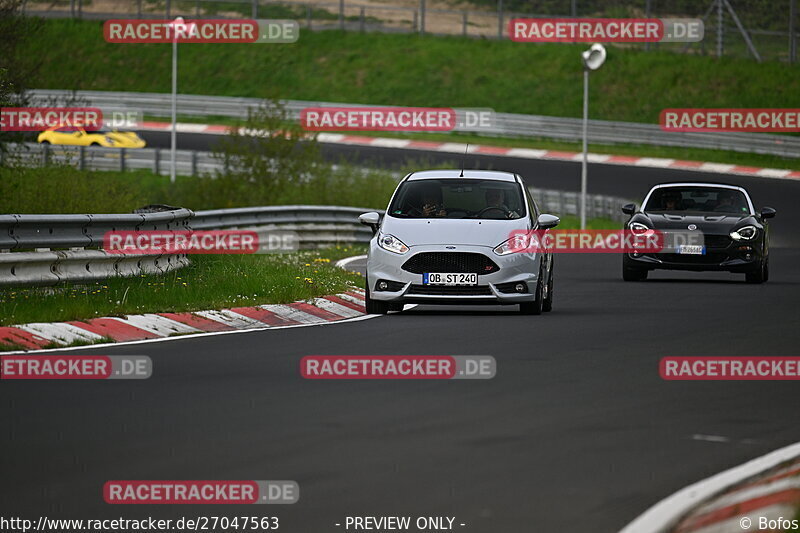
48	249
506	124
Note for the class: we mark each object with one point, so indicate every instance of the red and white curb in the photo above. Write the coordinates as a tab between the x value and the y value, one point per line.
739	499
334	308
500	151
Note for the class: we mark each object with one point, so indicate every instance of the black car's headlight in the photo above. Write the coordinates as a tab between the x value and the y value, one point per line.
746	233
391	244
637	228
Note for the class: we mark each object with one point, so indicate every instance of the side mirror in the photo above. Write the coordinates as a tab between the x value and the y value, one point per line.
547	221
767	212
371	219
629	209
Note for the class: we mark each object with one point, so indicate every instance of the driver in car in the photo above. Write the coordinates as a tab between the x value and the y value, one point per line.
671	201
726	202
495	198
430	205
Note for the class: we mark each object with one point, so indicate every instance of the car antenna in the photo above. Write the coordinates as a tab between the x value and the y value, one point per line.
462	161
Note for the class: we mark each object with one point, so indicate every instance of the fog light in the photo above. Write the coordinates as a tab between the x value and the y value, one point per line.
382	285
519	287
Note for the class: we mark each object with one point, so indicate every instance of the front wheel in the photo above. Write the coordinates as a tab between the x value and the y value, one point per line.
547	304
535	307
759	276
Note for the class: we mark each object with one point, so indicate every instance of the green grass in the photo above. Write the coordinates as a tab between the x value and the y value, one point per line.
211	282
41	190
404	69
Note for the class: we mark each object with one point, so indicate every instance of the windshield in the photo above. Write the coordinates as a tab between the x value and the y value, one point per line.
458	198
698	200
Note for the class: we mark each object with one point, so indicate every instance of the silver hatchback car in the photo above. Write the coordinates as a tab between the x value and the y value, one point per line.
446	239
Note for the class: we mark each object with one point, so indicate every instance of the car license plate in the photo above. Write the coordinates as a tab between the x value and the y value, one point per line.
691	249
438	278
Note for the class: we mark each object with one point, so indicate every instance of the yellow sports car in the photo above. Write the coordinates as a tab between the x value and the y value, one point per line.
98	137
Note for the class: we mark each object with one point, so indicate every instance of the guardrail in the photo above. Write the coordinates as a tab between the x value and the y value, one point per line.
49	249
506	124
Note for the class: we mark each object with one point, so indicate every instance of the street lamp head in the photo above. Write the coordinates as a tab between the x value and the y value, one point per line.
594	57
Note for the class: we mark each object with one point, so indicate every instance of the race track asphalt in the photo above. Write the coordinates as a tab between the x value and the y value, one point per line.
577	432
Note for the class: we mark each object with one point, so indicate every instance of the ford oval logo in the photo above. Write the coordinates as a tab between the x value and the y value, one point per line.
450	247
692	227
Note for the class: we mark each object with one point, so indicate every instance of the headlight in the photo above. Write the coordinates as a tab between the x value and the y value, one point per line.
637	228
517	243
392	244
747	233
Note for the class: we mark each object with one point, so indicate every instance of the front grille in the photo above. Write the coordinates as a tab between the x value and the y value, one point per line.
687	259
717	241
457	262
441	290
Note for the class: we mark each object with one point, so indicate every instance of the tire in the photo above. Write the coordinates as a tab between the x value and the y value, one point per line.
374	307
535	307
95	144
758	276
547	304
45	142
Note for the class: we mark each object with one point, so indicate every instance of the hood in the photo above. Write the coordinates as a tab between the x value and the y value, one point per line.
473	232
707	223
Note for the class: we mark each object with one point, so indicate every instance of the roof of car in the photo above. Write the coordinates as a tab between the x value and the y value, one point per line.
449	174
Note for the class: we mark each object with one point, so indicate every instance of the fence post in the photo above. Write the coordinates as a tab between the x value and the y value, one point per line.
422	17
167	8
71	8
414	22
464	24
499	19
341	14
139	9
194	162
363	22
720	30
308	16
254	10
80	9
792	31
573	8
157	162
82	158
45	155
196	8
122	153
647	16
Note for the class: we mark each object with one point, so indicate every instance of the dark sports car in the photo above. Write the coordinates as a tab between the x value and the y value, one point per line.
706	226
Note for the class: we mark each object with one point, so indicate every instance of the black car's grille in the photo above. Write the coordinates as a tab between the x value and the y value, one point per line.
457	262
717	241
687	259
441	290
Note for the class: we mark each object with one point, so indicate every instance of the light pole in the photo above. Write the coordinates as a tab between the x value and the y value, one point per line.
177	25
593	59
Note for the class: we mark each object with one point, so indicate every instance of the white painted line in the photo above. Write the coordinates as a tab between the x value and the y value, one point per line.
351	299
597	158
231	318
335	308
341	263
773	173
191	128
664	514
458	148
710	438
330	137
60	332
160	325
293	314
